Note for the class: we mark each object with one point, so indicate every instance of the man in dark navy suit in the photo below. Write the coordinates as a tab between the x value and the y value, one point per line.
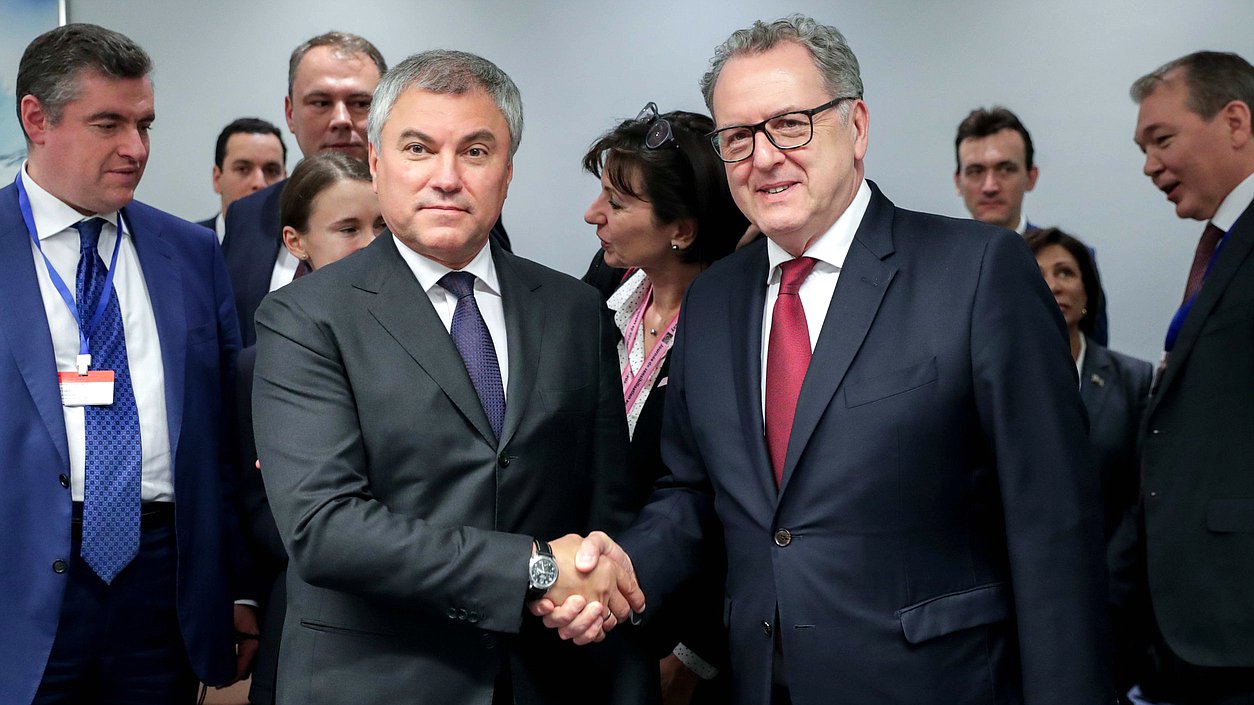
878	409
117	336
249	155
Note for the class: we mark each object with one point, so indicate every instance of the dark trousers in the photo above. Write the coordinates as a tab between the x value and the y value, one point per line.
119	644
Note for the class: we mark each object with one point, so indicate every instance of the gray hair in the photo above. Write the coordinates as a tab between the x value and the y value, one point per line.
1214	79
449	72
52	63
343	44
832	55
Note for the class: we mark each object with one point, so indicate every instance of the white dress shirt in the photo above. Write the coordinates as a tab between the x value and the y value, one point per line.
60	242
1234	204
817	290
487	296
219	226
284	268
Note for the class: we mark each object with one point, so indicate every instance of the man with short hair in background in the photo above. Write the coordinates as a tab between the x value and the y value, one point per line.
996	169
1197	499
121	550
250	155
330	83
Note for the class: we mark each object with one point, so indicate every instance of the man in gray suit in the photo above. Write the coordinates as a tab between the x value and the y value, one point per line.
428	411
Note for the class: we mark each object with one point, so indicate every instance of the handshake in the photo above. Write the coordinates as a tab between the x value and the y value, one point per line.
591	596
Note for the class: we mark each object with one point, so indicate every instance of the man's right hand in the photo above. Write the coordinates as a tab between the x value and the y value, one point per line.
591	596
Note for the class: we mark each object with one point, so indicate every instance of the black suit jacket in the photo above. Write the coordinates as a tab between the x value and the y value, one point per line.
1198	456
409	525
251	246
937	534
694	618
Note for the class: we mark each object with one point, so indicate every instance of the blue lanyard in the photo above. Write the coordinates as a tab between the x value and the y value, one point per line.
1177	321
84	333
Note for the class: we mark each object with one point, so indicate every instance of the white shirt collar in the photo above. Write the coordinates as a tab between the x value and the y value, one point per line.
1234	204
1079	360
832	246
52	215
428	271
1023	223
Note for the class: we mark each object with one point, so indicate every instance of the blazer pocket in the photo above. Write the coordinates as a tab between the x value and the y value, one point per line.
336	629
1230	516
882	386
568	400
954	612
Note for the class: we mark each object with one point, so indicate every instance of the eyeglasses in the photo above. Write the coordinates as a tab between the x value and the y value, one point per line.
659	127
786	131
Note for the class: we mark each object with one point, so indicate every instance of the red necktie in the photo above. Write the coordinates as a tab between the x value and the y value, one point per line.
787	357
1205	249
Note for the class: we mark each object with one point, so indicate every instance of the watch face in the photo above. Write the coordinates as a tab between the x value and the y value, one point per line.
543	572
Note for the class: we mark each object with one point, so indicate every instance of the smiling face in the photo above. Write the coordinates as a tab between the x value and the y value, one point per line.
94	156
343	218
1062	275
442	172
795	195
330	100
1194	161
994	176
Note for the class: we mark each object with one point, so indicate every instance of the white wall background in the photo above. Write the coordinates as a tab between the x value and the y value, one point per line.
1063	65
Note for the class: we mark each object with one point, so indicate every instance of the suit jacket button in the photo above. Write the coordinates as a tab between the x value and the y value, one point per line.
503	460
783	537
472	617
65	481
452	613
461	614
766	628
59	566
489	641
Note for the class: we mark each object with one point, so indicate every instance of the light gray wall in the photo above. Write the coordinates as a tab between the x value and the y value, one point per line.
1064	66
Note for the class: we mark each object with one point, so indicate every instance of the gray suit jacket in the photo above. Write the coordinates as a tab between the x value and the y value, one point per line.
408	525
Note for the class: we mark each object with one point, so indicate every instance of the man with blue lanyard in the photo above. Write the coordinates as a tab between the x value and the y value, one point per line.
117	338
1194	127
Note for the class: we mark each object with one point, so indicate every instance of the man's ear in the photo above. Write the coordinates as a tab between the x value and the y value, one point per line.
35	120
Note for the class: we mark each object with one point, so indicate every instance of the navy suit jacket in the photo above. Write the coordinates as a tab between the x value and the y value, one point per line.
937	535
251	245
1198	459
191	301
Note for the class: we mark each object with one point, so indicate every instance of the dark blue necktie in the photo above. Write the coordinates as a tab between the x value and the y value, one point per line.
112	468
474	343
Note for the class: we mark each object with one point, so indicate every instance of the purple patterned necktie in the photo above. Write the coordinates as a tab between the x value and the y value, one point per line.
112	464
474	343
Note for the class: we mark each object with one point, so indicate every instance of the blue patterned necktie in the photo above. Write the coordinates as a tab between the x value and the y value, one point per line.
112	467
474	343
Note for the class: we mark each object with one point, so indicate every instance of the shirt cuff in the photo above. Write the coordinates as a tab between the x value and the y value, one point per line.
251	603
695	663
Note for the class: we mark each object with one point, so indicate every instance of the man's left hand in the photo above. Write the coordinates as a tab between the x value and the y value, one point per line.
247	634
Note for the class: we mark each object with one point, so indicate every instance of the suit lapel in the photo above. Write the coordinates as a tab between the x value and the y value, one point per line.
745	321
524	337
864	278
165	291
1237	248
405	312
26	322
1093	378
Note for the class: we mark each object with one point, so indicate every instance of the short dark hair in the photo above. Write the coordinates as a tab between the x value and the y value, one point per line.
245	126
1040	239
683	180
983	122
310	178
343	44
52	63
1214	79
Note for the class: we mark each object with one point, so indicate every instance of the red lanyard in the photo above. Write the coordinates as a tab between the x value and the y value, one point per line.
633	385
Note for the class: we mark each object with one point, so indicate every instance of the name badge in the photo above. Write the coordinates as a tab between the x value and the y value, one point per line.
92	389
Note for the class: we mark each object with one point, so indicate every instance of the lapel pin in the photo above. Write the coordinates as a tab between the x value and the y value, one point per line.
1097	379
